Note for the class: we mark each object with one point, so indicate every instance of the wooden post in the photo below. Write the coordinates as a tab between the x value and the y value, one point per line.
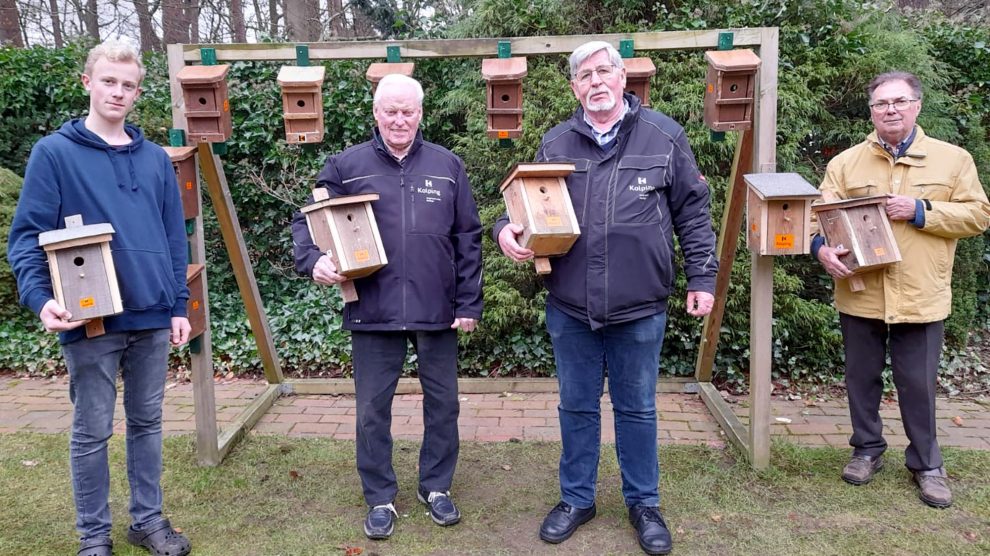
237	252
760	359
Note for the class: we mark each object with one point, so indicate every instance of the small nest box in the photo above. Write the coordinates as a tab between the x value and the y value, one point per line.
504	95
537	199
861	226
730	87
184	163
204	90
302	102
196	306
378	70
83	276
345	229
779	214
638	74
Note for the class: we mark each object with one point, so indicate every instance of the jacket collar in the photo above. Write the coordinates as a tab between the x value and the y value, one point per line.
628	121
382	149
916	154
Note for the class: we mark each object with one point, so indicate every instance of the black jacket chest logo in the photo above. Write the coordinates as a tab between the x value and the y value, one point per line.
427	190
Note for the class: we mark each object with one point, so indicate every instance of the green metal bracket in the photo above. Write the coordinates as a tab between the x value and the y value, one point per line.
188	250
190	226
626	48
219	148
196	344
718	136
208	56
176	137
392	55
505	143
504	49
725	40
302	55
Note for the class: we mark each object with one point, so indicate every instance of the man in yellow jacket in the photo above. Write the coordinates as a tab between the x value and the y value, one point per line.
934	197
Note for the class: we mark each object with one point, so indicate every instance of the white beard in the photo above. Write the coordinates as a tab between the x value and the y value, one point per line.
603	106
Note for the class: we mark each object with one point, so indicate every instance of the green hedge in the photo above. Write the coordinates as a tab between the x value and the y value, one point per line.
829	49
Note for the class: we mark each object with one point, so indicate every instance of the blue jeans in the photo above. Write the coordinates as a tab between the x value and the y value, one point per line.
142	358
631	353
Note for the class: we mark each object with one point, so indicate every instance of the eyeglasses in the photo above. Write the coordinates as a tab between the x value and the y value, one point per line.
899	104
604	73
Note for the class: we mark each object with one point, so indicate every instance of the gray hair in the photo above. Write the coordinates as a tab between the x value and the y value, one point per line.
396	80
909	78
588	49
115	50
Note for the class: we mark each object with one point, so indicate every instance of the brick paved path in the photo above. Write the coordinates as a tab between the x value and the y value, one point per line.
41	405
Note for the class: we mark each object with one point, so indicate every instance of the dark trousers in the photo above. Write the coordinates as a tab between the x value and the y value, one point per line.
378	359
915	350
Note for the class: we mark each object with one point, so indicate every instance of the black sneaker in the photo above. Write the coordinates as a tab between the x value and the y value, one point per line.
380	521
442	509
651	531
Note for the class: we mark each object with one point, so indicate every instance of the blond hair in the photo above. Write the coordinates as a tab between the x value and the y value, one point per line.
114	50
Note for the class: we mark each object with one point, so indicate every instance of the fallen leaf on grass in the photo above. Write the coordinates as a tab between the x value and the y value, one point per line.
716	518
177	529
958	421
29	463
507	467
293	474
680	531
352	550
971	536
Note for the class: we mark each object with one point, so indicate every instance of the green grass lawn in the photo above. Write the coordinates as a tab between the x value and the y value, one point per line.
275	495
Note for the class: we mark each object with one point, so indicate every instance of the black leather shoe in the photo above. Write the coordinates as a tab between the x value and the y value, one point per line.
651	531
563	520
442	509
380	522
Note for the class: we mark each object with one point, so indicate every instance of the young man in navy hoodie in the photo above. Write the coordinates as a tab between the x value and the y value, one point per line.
102	168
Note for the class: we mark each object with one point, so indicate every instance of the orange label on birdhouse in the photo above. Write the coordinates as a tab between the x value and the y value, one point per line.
503	134
880	251
783	241
301	138
87	302
361	255
711	88
553	221
189	185
226	105
195	305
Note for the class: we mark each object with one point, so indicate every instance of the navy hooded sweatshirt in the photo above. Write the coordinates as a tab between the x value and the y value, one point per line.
132	187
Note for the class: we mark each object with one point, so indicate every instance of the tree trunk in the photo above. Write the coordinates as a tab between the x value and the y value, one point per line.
273	18
149	40
91	19
10	24
302	20
237	21
174	27
193	9
56	24
335	11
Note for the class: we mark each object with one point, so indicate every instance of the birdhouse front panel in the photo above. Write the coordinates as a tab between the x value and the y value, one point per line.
778	213
503	78
84	286
207	106
730	88
196	306
355	240
184	164
302	102
537	199
639	71
861	226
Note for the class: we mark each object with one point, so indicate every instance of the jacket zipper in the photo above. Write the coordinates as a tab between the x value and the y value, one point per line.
402	192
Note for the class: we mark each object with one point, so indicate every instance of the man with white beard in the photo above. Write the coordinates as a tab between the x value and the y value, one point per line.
636	183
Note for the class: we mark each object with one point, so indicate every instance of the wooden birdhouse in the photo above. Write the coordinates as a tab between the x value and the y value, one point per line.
638	74
184	163
504	95
537	199
345	229
204	90
378	70
779	214
302	102
861	226
84	280
730	89
196	306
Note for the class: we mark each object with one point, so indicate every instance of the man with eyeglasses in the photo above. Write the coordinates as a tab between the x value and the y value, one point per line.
934	197
636	183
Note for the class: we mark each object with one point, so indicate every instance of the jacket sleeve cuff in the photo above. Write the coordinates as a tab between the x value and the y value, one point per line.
180	309
36	300
701	284
919	212
816	244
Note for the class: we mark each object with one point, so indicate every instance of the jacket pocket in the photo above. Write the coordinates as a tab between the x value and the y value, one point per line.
867	188
640	189
431	204
145	278
933	189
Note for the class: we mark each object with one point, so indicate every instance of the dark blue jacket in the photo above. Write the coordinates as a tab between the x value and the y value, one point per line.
132	187
429	228
630	198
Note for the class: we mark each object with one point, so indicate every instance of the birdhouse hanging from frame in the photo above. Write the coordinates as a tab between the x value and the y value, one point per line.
207	106
378	70
730	87
638	74
537	199
302	102
503	77
184	162
345	229
84	280
779	213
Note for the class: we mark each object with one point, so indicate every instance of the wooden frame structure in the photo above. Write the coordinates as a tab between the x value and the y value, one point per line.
755	152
